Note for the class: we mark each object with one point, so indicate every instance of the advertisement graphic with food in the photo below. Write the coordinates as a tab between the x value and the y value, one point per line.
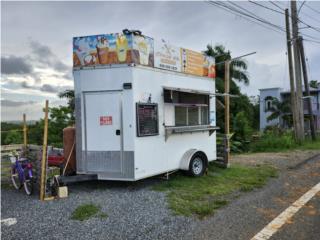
139	49
167	56
102	49
142	50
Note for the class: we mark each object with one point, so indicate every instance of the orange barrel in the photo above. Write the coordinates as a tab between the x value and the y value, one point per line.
69	149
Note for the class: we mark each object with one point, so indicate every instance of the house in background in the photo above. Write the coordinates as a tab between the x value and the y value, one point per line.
267	95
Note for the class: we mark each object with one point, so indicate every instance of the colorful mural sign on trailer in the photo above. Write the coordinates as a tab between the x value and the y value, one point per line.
110	49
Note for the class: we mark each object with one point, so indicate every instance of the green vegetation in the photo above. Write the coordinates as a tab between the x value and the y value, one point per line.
202	196
87	211
238	74
276	140
59	118
5	172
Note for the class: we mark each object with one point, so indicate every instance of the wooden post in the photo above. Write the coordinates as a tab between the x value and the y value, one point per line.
44	155
306	86
291	77
297	68
227	111
25	141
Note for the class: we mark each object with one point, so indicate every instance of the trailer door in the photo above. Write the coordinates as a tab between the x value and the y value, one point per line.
103	123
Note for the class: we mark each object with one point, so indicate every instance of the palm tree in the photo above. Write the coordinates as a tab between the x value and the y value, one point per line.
238	67
281	110
313	83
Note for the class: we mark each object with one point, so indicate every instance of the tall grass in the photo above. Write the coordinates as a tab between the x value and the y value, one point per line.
274	141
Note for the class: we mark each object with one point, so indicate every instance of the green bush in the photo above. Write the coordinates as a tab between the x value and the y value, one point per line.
273	140
241	127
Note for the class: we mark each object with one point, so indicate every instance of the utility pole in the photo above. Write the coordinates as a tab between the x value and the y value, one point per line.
227	111
297	68
306	86
291	77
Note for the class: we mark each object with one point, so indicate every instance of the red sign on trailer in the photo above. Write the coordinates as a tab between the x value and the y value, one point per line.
105	120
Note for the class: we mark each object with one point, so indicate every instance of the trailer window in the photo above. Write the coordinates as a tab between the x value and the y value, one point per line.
204	115
191	115
188	109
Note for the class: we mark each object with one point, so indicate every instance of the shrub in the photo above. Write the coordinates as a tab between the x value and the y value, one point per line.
272	140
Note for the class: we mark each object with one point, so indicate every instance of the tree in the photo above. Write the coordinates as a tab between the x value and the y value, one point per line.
238	67
313	83
239	74
69	95
281	110
13	137
241	126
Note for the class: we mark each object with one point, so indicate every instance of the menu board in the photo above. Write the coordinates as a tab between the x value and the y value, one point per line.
197	63
167	56
147	119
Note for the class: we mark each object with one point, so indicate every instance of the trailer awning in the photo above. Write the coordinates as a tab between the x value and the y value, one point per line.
188	90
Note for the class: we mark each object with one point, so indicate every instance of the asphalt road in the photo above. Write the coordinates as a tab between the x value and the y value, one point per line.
249	214
136	212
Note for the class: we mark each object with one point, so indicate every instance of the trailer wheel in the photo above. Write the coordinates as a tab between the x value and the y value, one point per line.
198	165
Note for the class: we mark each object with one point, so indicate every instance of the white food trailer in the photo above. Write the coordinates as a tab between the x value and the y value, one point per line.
138	120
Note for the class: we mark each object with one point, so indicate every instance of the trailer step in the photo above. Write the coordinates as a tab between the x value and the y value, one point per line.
76	178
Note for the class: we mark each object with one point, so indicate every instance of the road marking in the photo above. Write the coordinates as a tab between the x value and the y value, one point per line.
279	221
9	221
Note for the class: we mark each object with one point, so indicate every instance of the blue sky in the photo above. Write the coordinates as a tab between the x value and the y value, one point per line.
36	42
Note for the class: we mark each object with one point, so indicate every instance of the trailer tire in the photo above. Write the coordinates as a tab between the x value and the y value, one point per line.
198	164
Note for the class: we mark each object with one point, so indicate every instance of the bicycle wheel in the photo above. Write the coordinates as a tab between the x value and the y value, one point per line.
28	186
15	179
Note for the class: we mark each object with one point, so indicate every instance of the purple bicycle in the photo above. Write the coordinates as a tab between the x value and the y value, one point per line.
21	174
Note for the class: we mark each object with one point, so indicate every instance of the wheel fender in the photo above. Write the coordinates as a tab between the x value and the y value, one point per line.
186	158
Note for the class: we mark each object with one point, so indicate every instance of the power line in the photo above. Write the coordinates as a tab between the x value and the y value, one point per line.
246	18
313	18
254	19
315	10
309	40
307	35
273	3
271	9
247	15
308	67
301	6
262	19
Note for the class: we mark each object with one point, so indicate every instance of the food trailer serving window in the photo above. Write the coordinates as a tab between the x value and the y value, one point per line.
190	108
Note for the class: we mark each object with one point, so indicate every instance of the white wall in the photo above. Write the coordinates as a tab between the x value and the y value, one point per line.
154	155
109	79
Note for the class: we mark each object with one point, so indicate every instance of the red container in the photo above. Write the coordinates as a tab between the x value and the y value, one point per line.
55	160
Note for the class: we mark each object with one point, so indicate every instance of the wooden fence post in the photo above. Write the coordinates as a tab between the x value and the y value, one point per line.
44	155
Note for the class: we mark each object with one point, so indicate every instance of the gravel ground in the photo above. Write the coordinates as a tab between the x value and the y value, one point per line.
281	160
136	212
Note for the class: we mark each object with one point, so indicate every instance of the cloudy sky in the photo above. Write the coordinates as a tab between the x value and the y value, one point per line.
36	42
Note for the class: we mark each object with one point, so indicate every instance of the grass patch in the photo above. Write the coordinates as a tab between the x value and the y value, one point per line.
281	142
202	196
310	145
87	211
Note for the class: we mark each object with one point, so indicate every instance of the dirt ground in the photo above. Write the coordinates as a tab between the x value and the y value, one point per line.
281	160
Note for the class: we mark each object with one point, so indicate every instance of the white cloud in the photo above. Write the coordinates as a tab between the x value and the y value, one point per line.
188	24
